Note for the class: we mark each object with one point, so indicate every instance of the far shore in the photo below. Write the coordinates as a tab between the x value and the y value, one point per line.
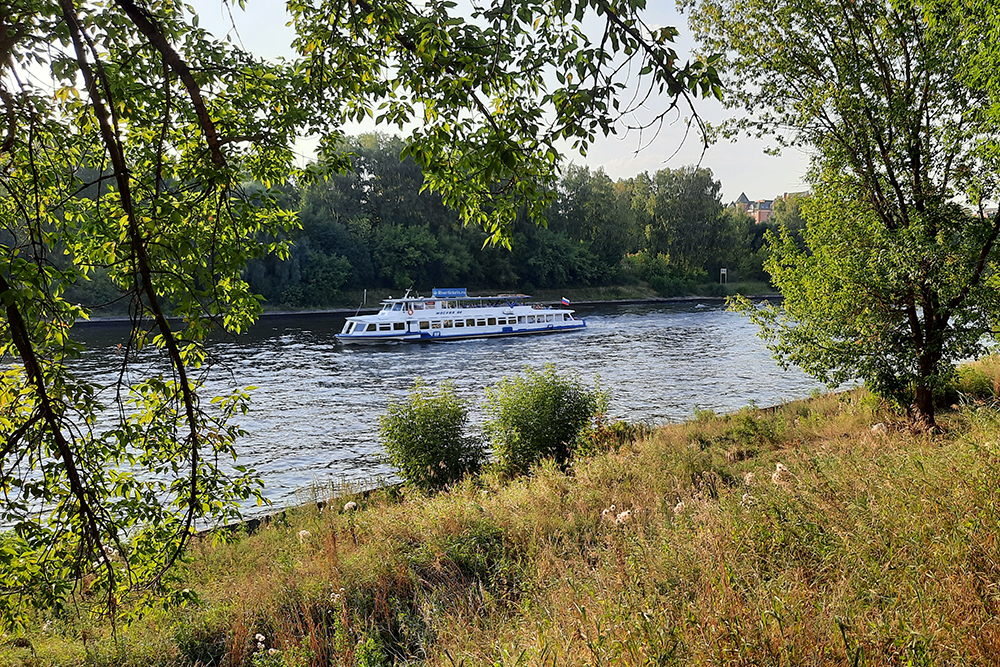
348	312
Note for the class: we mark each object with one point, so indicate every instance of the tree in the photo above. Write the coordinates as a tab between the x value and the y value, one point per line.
684	215
112	482
897	282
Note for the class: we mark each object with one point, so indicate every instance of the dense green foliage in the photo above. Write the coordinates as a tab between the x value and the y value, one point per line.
426	439
893	281
137	149
539	415
376	227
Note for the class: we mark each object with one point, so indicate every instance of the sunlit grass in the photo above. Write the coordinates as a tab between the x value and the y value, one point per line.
683	546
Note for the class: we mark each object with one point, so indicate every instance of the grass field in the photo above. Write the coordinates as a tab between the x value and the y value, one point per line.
820	532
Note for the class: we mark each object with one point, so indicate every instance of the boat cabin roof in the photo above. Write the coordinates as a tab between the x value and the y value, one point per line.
459	295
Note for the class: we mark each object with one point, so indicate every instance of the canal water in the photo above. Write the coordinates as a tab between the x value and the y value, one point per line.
314	416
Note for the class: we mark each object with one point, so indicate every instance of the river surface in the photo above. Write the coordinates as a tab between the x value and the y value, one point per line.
314	416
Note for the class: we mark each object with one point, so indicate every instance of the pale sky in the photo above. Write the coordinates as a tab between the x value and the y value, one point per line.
741	167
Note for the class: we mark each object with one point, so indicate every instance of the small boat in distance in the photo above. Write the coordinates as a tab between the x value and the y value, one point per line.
451	314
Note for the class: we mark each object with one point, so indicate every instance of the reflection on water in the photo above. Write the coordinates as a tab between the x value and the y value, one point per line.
315	411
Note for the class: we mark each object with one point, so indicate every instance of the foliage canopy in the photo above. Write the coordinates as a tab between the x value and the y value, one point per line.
897	282
127	138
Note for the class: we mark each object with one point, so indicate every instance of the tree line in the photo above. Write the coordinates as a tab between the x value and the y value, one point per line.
377	227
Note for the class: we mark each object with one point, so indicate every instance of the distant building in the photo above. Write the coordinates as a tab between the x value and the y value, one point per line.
760	210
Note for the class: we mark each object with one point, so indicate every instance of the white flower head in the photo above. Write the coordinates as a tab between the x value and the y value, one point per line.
259	637
678	508
304	535
748	479
624	517
351	506
781	475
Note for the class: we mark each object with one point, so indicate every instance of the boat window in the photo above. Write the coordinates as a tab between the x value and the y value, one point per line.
481	323
417	306
397	306
492	321
470	322
425	324
436	325
398	326
550	318
459	324
531	319
385	327
447	324
501	320
520	319
565	317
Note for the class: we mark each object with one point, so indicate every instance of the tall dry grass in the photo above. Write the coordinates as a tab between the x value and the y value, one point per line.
687	545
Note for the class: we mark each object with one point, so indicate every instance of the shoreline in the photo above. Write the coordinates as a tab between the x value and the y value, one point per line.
350	312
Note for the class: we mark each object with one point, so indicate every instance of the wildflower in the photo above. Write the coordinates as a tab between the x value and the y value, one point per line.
351	506
781	475
624	517
747	501
304	535
272	651
259	637
879	428
678	508
608	513
748	479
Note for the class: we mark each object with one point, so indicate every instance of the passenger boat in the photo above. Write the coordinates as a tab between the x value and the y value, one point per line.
451	314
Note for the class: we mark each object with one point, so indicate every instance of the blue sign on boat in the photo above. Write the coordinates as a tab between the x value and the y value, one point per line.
449	293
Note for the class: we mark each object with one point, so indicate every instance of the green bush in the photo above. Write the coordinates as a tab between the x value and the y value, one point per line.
539	415
425	437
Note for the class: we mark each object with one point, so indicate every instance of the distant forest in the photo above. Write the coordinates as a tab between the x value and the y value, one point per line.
374	228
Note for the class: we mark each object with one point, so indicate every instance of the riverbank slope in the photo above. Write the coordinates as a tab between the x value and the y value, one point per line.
819	532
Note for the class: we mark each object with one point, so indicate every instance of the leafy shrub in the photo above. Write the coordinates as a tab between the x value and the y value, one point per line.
539	415
666	278
609	436
667	286
425	437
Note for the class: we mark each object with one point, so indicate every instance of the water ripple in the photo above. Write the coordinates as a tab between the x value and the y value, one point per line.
315	411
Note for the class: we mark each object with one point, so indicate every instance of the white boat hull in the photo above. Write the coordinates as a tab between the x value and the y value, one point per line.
444	318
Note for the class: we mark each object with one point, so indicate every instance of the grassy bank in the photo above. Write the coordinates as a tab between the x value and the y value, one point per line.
688	545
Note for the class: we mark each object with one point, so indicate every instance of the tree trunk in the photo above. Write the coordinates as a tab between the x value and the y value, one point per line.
922	410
